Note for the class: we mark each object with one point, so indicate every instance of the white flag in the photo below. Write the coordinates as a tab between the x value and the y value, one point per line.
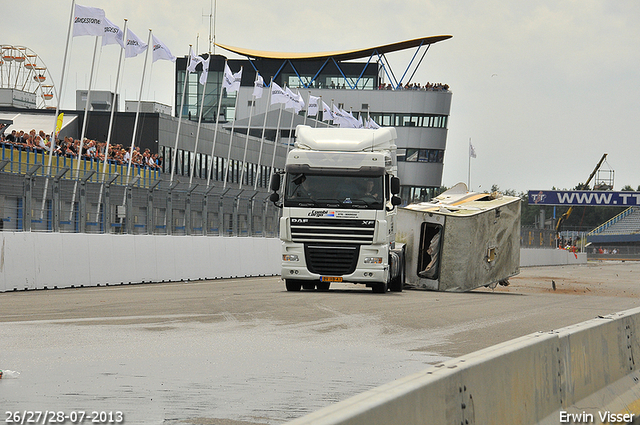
258	86
88	21
134	45
193	61
338	117
301	104
327	115
205	71
372	124
112	34
294	100
277	94
472	150
313	108
231	81
161	51
360	123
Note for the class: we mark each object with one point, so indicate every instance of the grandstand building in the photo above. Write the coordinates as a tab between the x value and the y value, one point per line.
621	233
368	89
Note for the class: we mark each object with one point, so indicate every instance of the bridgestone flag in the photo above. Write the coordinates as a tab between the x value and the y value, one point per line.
88	21
258	87
231	81
134	45
312	110
193	61
205	71
277	94
327	115
112	34
161	51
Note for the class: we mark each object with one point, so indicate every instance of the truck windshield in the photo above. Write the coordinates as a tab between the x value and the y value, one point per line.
334	191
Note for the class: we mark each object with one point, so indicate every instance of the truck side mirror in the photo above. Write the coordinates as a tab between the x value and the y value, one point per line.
274	185
395	185
274	197
396	200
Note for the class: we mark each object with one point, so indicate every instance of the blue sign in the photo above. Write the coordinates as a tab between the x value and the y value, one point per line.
584	197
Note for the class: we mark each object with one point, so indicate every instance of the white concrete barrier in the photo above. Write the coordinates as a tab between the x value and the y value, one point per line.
587	370
550	257
31	260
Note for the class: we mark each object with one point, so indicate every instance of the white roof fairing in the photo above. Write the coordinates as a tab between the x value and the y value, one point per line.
345	139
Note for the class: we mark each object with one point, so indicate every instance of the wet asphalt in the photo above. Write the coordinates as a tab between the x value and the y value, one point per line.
246	351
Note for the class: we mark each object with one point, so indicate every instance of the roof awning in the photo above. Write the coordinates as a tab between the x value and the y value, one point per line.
27	122
338	55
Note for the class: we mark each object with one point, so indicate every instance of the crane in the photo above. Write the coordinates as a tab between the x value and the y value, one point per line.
566	215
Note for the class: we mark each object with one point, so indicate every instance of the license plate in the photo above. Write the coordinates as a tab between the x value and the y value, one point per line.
331	279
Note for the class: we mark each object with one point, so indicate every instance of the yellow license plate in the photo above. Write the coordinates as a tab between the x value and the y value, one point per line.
331	279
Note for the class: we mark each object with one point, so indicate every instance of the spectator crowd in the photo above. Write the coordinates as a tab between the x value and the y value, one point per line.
89	149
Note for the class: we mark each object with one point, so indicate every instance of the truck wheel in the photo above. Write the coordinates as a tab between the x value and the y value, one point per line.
397	283
323	286
379	288
293	285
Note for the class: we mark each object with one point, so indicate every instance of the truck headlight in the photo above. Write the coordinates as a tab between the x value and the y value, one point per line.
289	257
373	260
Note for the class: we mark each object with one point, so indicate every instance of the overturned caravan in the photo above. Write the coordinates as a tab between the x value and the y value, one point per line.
460	240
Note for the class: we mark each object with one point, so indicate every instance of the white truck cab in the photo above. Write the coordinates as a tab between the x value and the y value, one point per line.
339	208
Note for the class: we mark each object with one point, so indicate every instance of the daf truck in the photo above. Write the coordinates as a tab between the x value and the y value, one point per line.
339	199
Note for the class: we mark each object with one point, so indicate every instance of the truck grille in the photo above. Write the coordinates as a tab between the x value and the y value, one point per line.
330	260
358	231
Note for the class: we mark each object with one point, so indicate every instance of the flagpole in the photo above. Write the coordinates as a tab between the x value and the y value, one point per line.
135	125
84	128
215	133
246	140
275	140
264	125
233	125
55	119
317	117
175	147
293	115
113	108
195	149
469	171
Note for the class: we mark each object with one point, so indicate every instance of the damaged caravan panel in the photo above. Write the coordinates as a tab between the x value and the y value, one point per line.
460	240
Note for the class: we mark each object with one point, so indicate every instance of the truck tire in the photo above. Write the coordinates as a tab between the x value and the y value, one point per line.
293	285
379	288
397	283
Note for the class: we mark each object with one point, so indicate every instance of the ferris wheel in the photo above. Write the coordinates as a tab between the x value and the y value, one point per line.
22	69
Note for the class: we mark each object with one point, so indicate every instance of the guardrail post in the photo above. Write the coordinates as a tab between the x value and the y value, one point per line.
82	206
128	221
235	225
106	206
28	185
264	217
150	221
169	212
250	229
205	211
187	211
221	229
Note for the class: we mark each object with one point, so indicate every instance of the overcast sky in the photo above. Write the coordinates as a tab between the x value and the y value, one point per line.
541	88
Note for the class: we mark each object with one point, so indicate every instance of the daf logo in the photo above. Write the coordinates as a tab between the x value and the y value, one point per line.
299	220
367	222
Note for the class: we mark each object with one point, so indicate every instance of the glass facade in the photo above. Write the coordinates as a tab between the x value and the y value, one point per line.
193	97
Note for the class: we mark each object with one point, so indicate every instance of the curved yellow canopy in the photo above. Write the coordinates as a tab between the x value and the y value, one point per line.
337	55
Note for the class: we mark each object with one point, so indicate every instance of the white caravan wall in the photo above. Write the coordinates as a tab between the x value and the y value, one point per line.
31	260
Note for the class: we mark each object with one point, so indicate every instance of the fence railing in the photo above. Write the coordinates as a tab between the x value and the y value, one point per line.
98	203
